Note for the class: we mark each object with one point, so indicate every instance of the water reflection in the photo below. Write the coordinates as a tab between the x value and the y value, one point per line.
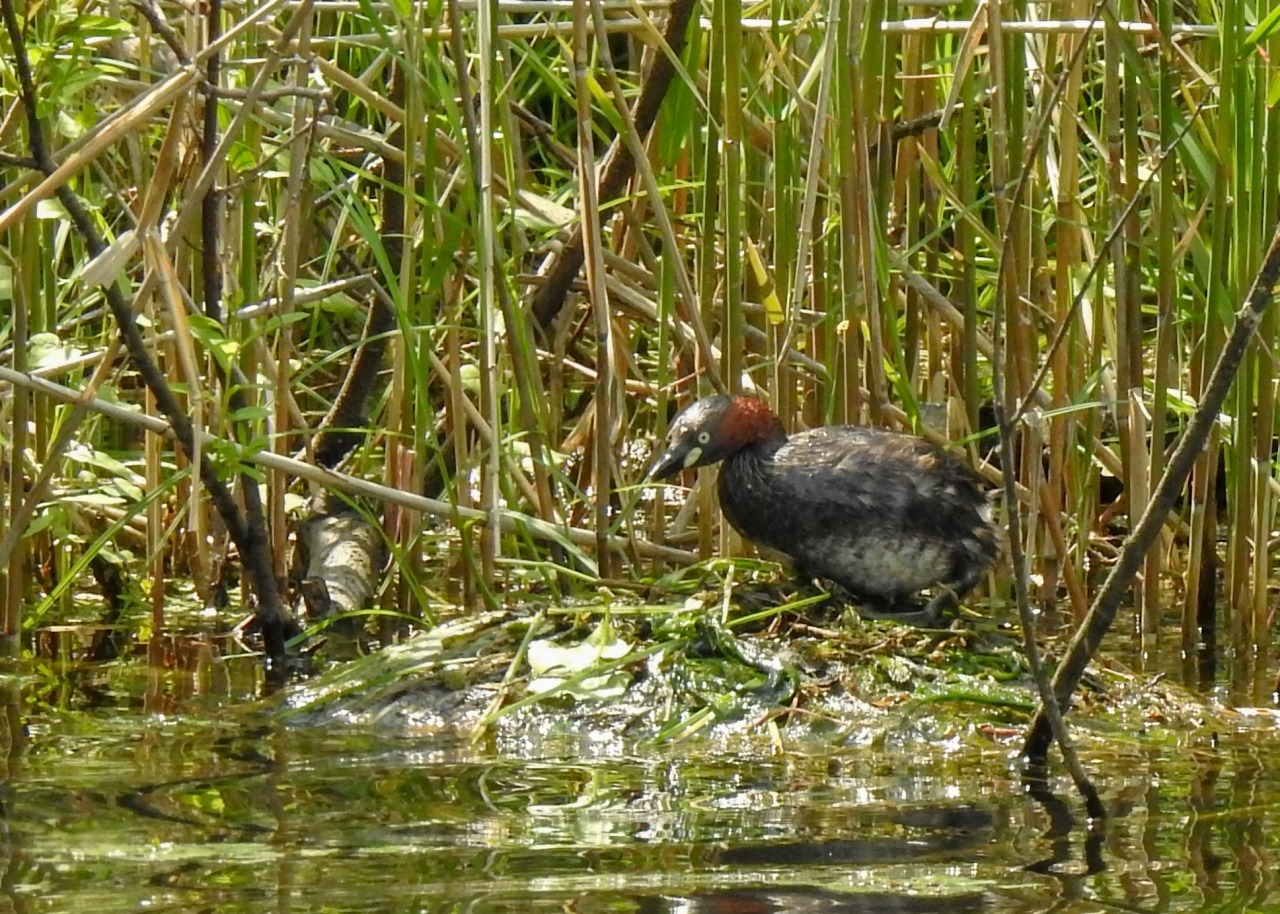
116	803
117	813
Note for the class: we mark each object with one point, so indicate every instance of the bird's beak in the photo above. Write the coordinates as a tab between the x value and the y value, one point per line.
671	462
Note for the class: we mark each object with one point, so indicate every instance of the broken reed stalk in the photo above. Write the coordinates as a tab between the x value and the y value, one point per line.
643	26
588	224
13	584
1103	612
488	86
1043	27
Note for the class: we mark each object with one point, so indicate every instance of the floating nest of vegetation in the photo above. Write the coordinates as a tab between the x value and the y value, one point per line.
604	678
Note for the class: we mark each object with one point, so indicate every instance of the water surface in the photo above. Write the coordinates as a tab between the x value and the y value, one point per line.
184	802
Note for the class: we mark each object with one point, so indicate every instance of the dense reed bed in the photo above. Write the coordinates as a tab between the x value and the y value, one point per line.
478	253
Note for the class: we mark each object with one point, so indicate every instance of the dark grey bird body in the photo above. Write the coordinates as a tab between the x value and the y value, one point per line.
884	515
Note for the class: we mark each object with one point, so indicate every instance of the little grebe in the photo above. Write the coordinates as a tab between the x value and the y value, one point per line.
884	515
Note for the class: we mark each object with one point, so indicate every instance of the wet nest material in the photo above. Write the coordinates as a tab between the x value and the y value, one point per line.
589	681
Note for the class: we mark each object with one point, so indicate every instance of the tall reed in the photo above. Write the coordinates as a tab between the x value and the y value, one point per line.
575	224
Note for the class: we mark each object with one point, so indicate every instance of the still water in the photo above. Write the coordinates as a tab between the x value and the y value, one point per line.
176	802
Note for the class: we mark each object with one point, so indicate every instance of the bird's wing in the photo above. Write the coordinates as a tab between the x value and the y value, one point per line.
900	477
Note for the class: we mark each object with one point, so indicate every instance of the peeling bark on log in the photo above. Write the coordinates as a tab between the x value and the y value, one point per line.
343	555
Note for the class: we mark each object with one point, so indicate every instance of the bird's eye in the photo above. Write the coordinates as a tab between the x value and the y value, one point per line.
704	437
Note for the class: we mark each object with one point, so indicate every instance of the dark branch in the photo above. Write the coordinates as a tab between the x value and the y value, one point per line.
551	294
1103	612
249	541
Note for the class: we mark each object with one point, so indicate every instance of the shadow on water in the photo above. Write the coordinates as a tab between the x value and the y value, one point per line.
767	901
165	790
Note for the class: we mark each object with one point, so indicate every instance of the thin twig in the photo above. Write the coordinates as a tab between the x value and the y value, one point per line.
1003	402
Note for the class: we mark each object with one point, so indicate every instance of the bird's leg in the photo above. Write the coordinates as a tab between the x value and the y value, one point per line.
881	608
804	579
808	584
947	599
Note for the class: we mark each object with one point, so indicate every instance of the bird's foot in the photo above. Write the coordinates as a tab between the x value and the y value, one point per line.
926	617
945	601
903	611
931	615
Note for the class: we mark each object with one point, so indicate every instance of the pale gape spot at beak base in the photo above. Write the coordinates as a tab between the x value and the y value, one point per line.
691	458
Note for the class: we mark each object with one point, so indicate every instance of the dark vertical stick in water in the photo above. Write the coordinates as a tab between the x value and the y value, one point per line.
211	205
1207	607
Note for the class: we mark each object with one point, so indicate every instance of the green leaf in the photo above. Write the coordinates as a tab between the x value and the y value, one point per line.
555	666
211	336
1273	89
250	414
1263	30
41	521
93	458
93	499
51	208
